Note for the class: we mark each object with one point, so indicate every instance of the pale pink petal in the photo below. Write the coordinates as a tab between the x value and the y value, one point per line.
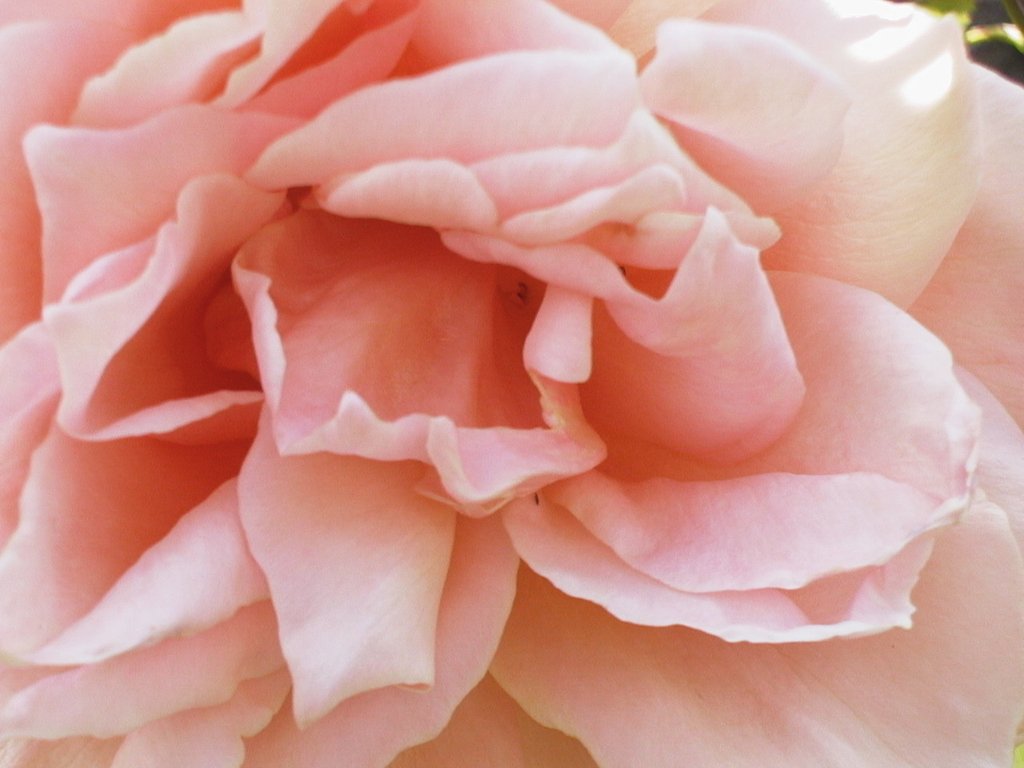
767	131
601	13
656	188
66	753
1000	475
199	574
446	319
356	569
139	18
697	537
433	193
530	458
881	398
504	103
974	302
668	697
719	376
132	322
498	26
483	733
287	26
125	496
29	390
558	547
636	27
558	345
187	63
885	216
36	89
489	730
461	396
210	737
372	728
86	179
149	683
367	59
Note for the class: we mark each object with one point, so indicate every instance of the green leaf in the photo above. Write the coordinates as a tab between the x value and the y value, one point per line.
965	7
1018	757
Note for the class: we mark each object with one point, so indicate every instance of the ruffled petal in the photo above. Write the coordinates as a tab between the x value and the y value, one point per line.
461	113
489	730
186	64
198	575
498	26
356	569
149	683
947	692
36	89
132	322
210	737
66	753
973	303
1000	474
372	728
557	546
29	390
366	59
697	536
882	398
57	566
462	396
885	216
767	131
719	378
86	179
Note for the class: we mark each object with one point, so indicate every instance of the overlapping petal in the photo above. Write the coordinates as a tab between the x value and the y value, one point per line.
887	213
973	302
952	694
340	539
123	378
372	728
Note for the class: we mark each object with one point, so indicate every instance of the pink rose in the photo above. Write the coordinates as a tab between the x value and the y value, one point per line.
462	382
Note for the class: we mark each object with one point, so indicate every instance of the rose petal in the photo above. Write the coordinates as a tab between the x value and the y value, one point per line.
131	322
498	26
372	728
185	64
881	398
367	59
558	345
768	131
211	737
66	753
433	193
489	730
973	303
869	600
287	25
86	179
697	537
29	390
907	173
36	89
138	17
147	684
56	565
356	569
1000	474
719	376
952	694
461	113
199	574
